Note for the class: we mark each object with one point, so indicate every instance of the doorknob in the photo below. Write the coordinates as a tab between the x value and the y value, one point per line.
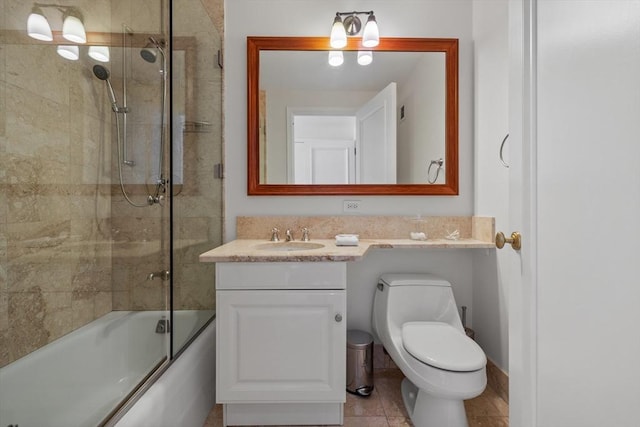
515	241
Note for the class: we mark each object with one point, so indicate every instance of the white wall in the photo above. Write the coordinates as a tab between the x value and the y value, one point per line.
421	132
401	18
491	178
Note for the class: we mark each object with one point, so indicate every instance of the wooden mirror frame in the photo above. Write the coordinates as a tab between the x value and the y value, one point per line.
257	44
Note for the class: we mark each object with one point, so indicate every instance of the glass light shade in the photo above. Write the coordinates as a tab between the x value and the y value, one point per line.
336	58
371	35
69	52
338	34
38	26
99	53
365	57
73	30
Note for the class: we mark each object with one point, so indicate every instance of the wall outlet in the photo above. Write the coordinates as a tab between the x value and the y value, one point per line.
351	206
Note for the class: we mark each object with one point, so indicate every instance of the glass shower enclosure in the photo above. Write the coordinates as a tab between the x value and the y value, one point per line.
110	133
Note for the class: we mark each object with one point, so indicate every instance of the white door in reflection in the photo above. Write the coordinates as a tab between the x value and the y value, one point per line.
331	147
324	149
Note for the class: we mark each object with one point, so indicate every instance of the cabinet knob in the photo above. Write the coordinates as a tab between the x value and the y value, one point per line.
338	317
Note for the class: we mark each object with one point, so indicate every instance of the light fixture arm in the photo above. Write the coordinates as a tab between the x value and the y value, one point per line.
351	25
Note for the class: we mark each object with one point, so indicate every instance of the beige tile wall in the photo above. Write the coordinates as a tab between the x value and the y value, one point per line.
55	248
71	248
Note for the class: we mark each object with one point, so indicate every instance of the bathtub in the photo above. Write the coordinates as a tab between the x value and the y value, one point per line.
82	377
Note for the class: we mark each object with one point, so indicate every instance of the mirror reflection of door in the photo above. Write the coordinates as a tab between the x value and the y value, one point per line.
323	149
346	148
376	139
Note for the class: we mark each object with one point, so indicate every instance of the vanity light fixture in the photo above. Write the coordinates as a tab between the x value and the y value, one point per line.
99	53
70	52
37	25
336	58
72	27
365	57
351	26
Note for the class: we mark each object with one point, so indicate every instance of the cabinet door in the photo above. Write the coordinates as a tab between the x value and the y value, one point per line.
276	346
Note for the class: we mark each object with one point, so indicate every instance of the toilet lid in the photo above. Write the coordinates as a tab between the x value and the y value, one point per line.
442	346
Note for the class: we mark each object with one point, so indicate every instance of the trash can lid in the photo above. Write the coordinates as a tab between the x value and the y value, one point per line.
356	338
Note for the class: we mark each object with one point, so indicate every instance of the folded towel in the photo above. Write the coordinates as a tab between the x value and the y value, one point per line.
347	240
418	235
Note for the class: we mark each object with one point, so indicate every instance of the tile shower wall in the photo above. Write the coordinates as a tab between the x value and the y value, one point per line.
55	201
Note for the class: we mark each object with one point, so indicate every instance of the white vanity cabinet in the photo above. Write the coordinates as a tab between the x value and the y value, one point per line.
281	342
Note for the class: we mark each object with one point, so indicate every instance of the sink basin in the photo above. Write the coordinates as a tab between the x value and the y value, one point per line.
288	246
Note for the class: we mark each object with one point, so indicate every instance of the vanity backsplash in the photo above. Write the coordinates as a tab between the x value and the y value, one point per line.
367	227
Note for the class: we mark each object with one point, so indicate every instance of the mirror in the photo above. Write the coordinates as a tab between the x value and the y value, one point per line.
388	128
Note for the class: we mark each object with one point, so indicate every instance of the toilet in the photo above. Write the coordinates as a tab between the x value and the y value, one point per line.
416	318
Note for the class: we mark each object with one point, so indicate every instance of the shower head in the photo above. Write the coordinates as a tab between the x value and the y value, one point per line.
148	53
103	74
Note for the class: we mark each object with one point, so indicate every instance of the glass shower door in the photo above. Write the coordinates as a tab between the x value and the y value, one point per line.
82	288
197	155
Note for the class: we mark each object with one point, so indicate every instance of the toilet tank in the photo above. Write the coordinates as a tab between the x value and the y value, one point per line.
419	297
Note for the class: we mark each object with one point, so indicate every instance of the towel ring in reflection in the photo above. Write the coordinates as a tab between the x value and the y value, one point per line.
505	164
438	162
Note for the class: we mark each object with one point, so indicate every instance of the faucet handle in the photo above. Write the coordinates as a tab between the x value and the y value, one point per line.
305	234
274	235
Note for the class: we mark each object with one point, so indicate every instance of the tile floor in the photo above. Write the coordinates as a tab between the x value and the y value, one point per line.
384	408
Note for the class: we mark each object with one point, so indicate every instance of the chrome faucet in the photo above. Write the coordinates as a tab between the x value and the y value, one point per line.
274	235
289	236
164	275
305	234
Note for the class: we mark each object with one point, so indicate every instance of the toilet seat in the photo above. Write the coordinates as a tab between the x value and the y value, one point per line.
442	346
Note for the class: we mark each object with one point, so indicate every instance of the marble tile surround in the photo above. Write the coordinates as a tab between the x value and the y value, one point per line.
367	227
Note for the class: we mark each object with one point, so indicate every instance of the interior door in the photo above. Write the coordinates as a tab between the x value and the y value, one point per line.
520	273
575	100
324	162
376	139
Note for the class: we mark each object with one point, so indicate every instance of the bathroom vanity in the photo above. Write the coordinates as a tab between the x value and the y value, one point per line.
281	334
281	312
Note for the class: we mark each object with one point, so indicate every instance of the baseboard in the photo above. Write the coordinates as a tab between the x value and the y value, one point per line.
498	380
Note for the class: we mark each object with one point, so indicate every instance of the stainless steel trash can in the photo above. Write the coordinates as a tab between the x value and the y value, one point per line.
359	362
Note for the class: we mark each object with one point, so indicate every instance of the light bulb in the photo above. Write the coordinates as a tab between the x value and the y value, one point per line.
38	26
73	30
365	57
336	58
371	35
338	34
71	53
99	53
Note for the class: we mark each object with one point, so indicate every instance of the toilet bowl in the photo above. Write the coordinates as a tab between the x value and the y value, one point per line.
416	318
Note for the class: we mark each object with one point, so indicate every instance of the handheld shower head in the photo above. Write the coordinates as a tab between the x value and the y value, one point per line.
103	74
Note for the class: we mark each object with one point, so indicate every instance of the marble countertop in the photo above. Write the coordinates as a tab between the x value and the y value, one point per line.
246	250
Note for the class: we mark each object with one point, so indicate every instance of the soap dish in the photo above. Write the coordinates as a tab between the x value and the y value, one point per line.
347	240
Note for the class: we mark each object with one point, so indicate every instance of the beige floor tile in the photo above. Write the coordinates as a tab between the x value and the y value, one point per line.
357	406
365	422
390	396
476	421
399	422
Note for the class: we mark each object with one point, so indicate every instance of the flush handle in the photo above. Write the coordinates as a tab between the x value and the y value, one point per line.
515	240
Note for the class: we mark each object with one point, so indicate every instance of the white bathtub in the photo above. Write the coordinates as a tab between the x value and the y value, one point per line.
80	378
